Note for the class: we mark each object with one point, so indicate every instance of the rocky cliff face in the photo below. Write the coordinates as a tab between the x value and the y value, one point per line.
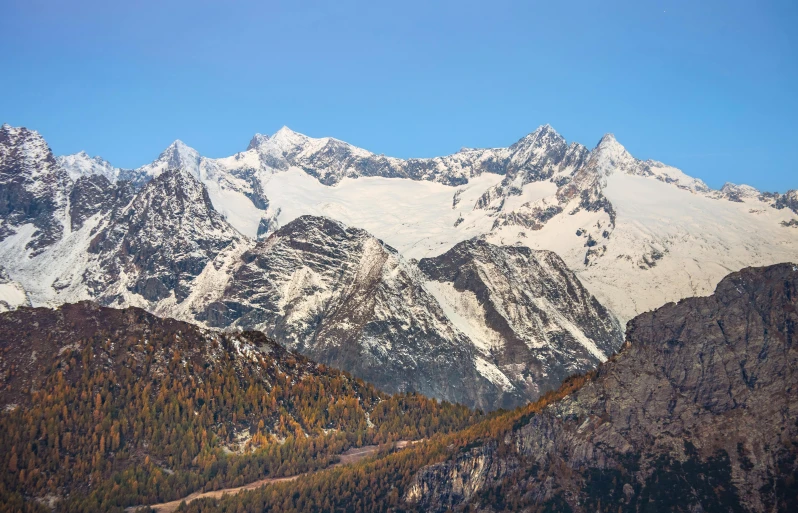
342	297
161	241
787	200
529	316
32	188
339	295
697	413
94	194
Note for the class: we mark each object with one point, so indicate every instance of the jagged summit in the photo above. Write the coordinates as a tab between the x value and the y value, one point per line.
257	141
609	145
180	149
340	294
19	130
286	134
543	134
26	142
608	138
176	155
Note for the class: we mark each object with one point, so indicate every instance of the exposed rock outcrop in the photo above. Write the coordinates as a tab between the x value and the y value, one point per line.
485	325
697	413
32	188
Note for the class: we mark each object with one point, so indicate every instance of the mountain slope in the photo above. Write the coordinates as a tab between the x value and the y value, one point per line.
524	310
675	422
344	298
636	234
162	241
105	408
697	413
32	188
124	247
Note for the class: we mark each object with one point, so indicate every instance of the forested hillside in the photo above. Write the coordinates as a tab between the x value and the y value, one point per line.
105	408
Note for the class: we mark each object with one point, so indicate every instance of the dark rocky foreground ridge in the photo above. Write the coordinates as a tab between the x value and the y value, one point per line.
698	412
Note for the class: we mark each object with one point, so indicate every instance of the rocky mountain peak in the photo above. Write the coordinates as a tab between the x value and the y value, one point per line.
610	156
306	225
26	147
180	155
82	164
257	141
530	302
161	241
518	320
33	187
544	136
609	147
181	186
736	192
177	155
286	139
787	200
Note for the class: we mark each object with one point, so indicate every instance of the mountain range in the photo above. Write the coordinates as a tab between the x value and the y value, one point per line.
484	277
695	413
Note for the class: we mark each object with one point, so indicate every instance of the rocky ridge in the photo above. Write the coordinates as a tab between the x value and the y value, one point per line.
347	299
534	192
104	408
696	413
32	188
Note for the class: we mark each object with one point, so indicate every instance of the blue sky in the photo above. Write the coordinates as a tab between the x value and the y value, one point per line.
707	86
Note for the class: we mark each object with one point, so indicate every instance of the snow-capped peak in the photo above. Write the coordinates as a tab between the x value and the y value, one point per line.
257	141
610	145
284	131
609	155
27	146
177	155
287	140
20	132
541	133
82	164
182	149
740	188
546	129
535	145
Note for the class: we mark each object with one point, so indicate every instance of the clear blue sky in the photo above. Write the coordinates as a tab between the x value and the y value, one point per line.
708	86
